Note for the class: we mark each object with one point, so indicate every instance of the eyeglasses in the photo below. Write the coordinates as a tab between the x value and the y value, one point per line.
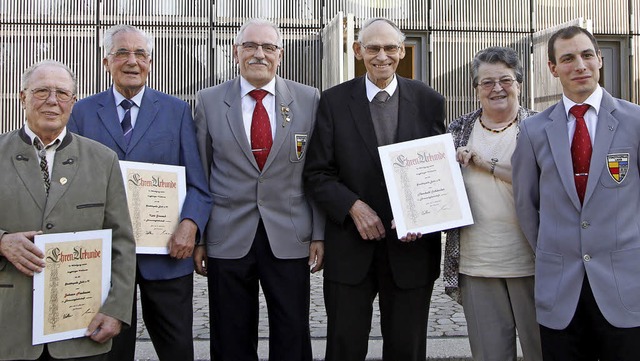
375	49
44	94
253	47
124	54
490	84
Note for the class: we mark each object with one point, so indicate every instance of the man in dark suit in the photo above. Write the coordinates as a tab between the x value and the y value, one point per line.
263	229
144	125
577	193
54	181
343	174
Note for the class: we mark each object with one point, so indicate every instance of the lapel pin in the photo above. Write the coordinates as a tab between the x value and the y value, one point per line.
611	128
63	180
285	114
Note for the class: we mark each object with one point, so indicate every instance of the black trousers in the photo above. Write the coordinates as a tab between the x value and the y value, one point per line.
403	315
589	337
234	304
167	310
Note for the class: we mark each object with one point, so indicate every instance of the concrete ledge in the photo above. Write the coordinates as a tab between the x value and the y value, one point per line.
438	349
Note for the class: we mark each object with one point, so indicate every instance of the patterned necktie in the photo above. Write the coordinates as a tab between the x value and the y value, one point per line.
127	128
382	96
44	166
261	139
580	150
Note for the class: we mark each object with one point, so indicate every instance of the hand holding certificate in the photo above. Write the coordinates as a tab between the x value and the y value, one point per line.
425	185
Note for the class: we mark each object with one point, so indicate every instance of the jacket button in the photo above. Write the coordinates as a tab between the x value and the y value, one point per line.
586	258
585	224
49	225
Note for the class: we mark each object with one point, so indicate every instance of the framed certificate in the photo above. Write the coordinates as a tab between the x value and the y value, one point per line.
155	194
73	285
425	185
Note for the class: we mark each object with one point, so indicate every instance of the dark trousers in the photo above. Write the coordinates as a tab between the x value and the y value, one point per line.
589	337
167	310
403	315
233	302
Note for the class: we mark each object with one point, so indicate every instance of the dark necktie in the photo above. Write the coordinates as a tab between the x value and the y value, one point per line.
580	150
261	139
382	96
44	166
127	128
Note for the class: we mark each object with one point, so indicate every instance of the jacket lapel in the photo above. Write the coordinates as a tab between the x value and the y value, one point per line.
148	112
283	99
109	117
557	134
605	130
65	167
361	114
234	117
27	167
407	113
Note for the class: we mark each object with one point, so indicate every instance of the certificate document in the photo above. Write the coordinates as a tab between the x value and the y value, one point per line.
425	185
73	284
155	194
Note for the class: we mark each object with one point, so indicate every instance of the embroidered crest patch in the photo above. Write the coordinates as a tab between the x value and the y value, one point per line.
301	144
618	165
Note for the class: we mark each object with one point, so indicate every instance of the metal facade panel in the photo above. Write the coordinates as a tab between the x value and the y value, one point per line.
284	12
24	45
609	16
482	15
451	64
408	14
160	12
48	11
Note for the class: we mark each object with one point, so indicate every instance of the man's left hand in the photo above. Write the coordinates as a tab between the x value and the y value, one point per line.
103	328
183	240
316	256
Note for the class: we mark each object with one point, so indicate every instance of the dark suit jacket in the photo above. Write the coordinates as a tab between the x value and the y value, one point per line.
601	237
343	166
164	134
92	197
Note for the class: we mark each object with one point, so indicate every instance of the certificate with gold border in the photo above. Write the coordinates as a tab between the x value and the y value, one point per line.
73	285
425	185
155	195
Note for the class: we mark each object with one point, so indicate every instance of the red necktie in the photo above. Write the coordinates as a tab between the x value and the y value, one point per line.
580	150
261	139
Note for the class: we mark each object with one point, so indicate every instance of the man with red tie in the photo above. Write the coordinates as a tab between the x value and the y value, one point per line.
252	133
577	192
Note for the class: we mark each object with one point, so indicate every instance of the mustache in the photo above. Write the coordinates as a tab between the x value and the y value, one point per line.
258	61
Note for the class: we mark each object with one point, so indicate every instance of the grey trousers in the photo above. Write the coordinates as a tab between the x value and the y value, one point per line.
495	308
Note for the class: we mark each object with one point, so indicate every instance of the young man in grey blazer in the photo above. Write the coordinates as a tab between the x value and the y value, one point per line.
577	192
54	181
263	229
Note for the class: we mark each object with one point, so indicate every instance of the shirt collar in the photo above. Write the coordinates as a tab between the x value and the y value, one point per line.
593	100
55	142
373	89
246	87
137	99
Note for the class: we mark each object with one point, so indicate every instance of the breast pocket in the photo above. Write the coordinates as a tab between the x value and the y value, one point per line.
618	168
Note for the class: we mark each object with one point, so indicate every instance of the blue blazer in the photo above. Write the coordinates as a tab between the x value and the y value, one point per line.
164	134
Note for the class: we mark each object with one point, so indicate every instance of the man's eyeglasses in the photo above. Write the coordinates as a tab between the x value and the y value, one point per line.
253	47
44	94
124	54
375	49
490	84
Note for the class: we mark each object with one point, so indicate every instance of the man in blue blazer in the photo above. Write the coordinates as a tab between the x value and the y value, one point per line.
586	239
159	129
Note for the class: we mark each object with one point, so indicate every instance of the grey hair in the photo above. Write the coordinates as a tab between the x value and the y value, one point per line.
107	42
371	21
262	22
493	55
26	76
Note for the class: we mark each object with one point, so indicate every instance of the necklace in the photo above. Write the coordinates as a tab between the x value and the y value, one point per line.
498	130
493	144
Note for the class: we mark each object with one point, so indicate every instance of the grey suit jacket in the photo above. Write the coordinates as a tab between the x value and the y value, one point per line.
600	238
93	197
242	195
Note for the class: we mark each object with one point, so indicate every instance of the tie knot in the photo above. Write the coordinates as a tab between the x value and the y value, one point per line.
579	111
126	104
382	96
258	94
38	144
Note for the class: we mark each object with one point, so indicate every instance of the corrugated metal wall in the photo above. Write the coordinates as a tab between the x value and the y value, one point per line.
193	39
